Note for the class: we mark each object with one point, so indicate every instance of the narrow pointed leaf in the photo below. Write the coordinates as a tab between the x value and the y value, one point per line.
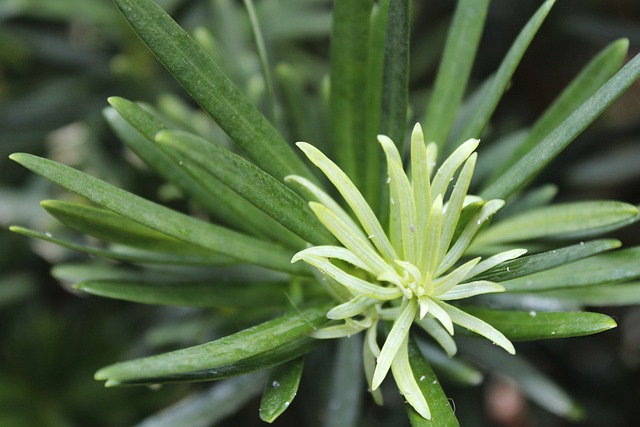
618	266
455	369
224	351
455	66
441	411
138	129
395	76
195	69
349	58
345	394
209	407
535	325
407	383
190	294
557	220
500	81
160	218
546	260
525	169
192	257
617	294
280	390
261	189
591	78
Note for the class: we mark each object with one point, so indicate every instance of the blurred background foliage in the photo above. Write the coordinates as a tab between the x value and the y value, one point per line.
61	59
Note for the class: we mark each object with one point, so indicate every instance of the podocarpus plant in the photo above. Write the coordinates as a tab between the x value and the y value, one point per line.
403	255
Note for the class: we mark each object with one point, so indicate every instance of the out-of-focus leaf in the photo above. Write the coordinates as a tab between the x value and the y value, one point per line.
210	359
441	411
453	368
539	262
172	223
395	75
190	294
525	169
247	180
617	266
207	84
534	325
459	52
605	295
533	383
280	390
343	406
591	78
349	56
556	220
190	256
209	407
482	113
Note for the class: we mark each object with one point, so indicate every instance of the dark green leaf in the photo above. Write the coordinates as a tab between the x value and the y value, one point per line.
539	262
499	82
525	169
441	411
612	267
349	56
191	294
617	294
455	66
244	351
280	390
160	218
207	84
248	181
556	221
536	325
395	77
187	255
590	79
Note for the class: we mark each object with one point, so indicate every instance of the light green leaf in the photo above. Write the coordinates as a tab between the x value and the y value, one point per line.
539	262
525	169
160	218
616	266
280	390
441	411
499	82
261	189
535	325
190	294
556	220
207	84
453	73
216	358
349	56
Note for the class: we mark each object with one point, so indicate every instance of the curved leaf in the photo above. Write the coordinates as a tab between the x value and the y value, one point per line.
280	390
233	354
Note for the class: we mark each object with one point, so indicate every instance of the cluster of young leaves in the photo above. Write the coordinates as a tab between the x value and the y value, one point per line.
257	220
